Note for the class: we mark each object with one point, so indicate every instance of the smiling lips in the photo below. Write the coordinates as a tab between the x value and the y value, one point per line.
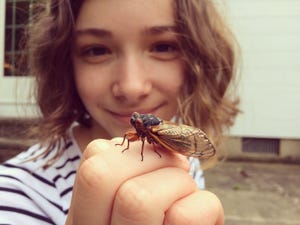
125	117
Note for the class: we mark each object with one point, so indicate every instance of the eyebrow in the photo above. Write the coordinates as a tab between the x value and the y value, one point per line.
103	33
94	32
156	30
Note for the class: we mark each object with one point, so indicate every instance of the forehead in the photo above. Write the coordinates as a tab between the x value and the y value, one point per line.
103	13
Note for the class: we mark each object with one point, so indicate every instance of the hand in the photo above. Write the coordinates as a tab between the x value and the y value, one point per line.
113	188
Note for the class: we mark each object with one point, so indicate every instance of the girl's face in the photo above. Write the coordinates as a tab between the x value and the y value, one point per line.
126	58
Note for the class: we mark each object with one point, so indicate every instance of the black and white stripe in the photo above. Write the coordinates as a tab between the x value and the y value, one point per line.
32	195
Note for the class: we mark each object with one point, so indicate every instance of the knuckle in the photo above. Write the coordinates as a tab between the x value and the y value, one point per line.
90	149
133	201
202	206
92	172
214	204
178	214
94	147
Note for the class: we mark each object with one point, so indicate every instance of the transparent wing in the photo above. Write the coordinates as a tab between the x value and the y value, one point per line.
186	140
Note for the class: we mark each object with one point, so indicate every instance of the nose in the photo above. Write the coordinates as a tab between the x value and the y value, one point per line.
133	83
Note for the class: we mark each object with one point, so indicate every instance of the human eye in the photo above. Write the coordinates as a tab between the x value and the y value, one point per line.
95	53
165	50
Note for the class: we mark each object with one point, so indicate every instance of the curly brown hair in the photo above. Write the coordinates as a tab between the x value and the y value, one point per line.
208	48
210	52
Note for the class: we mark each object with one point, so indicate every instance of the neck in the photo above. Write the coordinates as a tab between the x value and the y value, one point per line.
84	135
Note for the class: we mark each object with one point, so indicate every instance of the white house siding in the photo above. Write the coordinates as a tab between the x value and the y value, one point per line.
269	35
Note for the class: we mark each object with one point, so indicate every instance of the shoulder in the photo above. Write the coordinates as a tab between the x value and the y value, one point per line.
29	166
29	190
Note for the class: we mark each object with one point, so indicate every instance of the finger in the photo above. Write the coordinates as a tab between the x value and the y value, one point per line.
92	174
143	200
199	208
100	174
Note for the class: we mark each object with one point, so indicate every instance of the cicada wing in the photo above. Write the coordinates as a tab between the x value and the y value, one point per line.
186	140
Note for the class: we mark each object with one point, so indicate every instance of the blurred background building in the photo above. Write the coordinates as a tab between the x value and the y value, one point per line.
269	34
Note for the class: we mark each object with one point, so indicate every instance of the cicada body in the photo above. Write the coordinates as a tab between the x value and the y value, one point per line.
183	139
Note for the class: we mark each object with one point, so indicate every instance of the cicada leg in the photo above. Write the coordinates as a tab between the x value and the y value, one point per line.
154	147
154	144
130	136
155	150
122	141
142	151
124	138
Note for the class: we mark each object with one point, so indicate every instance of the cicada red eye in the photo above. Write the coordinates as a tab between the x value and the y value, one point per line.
183	139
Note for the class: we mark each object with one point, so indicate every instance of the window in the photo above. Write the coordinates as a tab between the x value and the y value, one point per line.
17	15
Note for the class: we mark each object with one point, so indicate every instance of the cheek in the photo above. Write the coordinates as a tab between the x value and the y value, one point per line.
173	88
173	81
89	84
83	86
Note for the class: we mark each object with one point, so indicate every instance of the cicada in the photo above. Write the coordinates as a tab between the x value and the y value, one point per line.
183	139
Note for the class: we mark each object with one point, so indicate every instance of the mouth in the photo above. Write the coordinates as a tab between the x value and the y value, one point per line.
124	117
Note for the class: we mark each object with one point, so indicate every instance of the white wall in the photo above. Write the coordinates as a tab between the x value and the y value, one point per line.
269	34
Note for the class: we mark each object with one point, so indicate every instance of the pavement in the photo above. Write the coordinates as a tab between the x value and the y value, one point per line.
257	193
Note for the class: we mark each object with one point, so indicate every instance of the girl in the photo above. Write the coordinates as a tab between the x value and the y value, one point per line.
96	62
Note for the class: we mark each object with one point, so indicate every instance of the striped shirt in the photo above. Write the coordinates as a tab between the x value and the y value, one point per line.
30	194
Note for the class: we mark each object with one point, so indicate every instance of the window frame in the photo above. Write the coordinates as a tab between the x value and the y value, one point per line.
15	98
